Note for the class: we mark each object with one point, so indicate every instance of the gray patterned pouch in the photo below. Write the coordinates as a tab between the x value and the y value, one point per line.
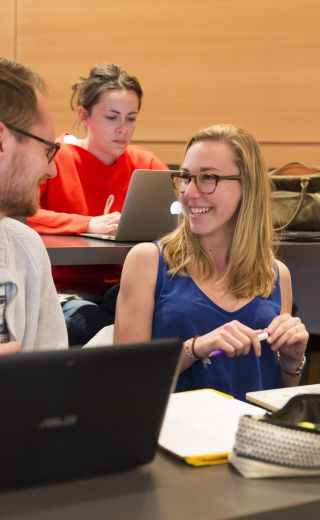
284	443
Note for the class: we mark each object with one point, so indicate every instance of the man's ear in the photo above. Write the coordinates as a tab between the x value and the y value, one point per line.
2	129
5	138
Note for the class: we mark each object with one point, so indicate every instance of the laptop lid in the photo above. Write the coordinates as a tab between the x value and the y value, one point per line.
83	411
146	214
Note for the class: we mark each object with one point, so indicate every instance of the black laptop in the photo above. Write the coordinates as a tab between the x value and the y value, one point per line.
70	413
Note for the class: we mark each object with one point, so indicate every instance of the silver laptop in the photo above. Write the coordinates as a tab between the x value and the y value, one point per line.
76	412
149	209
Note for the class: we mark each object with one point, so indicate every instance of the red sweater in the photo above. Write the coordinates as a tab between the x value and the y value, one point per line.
79	192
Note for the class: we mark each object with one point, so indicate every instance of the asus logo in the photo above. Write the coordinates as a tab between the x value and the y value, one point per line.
58	422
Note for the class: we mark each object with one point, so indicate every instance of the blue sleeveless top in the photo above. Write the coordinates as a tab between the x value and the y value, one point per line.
183	310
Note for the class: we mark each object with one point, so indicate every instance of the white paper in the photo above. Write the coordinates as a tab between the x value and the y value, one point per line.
277	398
202	422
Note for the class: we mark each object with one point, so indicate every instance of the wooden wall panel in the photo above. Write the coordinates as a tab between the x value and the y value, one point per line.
7	28
274	153
254	63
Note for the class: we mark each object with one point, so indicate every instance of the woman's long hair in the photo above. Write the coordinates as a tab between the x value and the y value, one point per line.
250	264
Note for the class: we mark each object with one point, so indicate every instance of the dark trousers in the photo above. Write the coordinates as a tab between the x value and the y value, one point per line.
85	318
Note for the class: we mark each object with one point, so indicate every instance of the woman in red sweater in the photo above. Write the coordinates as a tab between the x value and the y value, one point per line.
87	195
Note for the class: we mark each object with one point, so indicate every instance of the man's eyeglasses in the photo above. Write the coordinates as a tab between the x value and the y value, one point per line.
53	147
206	182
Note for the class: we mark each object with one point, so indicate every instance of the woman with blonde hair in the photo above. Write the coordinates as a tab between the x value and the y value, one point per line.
214	281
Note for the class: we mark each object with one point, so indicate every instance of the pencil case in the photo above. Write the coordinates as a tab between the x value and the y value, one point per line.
280	444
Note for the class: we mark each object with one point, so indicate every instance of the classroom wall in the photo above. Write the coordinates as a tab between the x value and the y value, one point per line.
251	62
7	28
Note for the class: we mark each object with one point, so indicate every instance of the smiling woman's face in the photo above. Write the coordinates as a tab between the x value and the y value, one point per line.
217	212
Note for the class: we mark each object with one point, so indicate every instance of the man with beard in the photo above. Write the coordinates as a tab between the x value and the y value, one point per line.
30	314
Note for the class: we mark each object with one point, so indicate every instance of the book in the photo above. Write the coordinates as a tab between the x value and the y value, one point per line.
200	426
275	399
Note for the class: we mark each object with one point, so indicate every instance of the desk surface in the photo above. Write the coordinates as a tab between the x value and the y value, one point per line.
167	489
302	258
77	250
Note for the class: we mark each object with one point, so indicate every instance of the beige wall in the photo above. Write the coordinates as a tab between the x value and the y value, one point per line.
7	28
251	62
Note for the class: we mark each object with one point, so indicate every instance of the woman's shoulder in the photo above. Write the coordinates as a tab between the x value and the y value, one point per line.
284	279
282	270
145	252
285	287
141	263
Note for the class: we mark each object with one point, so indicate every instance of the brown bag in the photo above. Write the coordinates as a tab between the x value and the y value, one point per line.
296	197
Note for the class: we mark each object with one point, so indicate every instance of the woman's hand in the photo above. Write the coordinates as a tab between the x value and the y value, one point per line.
11	347
104	224
288	335
234	338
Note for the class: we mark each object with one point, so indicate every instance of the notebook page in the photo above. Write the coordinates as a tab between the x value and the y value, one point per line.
202	422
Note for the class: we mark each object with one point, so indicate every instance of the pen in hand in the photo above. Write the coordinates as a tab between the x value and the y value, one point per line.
108	204
261	337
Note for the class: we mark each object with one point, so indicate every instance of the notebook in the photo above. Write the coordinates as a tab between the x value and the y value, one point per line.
149	208
275	399
200	426
70	413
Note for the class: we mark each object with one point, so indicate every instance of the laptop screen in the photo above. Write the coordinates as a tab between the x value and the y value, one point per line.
148	211
81	411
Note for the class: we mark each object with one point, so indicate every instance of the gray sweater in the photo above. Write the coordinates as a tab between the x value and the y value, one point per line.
33	313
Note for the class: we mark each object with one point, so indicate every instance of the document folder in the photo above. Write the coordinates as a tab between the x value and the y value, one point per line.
200	426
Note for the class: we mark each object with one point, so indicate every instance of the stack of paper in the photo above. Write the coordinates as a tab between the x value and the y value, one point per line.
200	426
275	399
